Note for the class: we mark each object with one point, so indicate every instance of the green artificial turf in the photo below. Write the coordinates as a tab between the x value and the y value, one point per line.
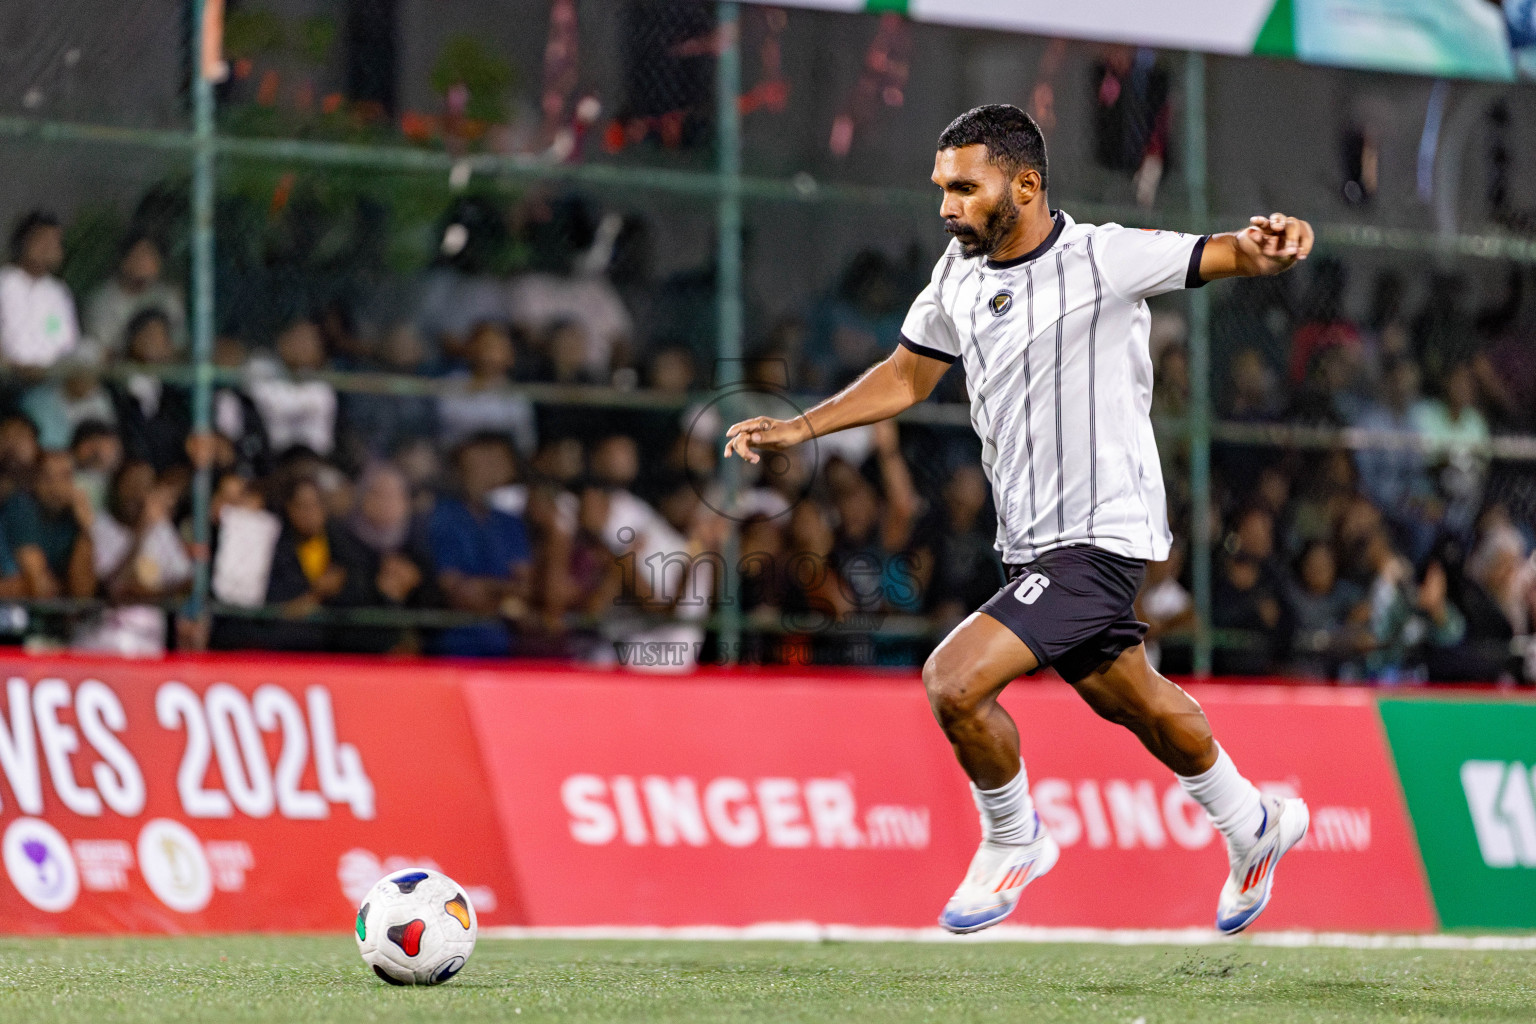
298	979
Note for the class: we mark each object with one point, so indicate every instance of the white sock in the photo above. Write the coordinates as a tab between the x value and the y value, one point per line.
1007	812
1231	800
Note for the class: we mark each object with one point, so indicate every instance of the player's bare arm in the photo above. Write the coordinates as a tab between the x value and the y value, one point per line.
898	382
1268	245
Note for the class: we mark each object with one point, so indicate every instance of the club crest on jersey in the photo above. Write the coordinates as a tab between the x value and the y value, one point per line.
1001	303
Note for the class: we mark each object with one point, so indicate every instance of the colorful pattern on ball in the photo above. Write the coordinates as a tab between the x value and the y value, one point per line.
416	927
459	908
408	936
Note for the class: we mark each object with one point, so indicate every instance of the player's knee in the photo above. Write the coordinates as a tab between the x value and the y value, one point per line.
955	692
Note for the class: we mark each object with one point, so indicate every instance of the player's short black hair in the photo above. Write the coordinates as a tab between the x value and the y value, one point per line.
1012	137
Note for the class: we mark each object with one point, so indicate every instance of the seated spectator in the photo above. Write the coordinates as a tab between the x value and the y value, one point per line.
60	406
384	523
98	454
858	323
1324	495
1253	394
1407	618
1498	598
1164	605
37	311
673	571
1506	365
460	291
565	348
424	469
48	528
1170	391
135	287
316	564
481	400
576	579
239	436
562	460
1456	436
243	538
295	411
1328	396
874	527
1393	474
1247	596
615	464
1324	324
815	596
482	555
141	561
670	371
19	452
565	292
378	424
1322	612
958	564
154	416
763	570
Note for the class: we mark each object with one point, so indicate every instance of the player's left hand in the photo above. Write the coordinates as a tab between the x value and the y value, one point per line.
1277	242
765	433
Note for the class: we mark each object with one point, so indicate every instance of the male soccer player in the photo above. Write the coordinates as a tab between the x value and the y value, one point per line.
1050	318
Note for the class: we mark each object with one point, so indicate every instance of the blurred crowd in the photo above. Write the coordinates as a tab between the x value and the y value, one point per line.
1403	551
450	508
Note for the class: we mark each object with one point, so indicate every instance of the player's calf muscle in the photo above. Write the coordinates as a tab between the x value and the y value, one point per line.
1166	719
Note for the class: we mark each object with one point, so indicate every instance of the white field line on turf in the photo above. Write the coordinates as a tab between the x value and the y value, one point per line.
804	931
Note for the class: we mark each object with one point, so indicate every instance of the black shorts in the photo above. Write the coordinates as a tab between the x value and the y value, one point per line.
1073	607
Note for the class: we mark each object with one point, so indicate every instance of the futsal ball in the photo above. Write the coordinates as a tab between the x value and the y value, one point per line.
416	927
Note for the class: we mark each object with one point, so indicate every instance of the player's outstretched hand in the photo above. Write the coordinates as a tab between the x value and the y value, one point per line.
1275	243
766	433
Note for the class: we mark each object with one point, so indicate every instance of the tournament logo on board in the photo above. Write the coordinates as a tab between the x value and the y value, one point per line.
173	864
40	865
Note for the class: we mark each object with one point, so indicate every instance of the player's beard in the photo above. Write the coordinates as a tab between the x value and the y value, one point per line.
984	241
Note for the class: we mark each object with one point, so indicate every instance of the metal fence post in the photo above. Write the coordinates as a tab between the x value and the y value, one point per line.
202	289
728	291
1199	368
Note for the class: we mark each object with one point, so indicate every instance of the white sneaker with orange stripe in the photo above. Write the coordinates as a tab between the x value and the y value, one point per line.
1248	887
997	875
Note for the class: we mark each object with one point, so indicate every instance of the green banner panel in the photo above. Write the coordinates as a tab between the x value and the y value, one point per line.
1468	769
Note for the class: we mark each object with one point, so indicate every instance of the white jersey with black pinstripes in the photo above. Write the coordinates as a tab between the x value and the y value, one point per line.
1055	350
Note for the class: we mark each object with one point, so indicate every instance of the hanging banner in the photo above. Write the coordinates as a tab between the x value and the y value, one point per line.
233	794
1446	38
740	799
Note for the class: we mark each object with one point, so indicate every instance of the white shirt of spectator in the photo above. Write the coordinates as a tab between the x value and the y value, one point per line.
537	302
1055	349
462	412
295	412
37	319
133	630
242	564
1162	602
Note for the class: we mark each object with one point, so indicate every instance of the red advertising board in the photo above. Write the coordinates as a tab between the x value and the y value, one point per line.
234	794
734	799
225	794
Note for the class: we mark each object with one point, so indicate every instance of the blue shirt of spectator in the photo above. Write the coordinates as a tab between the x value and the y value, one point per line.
481	544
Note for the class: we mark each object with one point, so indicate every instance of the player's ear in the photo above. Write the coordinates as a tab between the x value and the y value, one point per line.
1026	185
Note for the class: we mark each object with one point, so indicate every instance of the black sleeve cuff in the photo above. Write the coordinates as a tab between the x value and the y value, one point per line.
924	350
1192	279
